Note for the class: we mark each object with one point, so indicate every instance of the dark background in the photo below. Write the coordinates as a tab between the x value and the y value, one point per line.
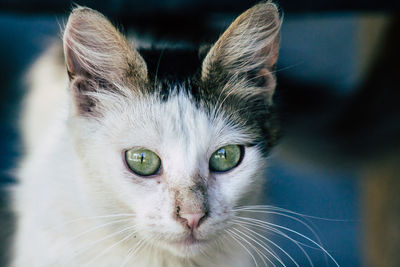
338	98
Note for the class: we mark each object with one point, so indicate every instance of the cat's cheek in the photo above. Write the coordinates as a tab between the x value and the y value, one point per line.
231	189
152	206
234	185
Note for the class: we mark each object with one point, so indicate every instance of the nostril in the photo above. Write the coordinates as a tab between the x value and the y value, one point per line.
192	219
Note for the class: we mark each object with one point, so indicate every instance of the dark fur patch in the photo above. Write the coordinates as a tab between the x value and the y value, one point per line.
256	113
173	70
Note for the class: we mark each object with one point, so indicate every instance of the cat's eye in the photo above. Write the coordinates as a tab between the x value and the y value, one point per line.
226	158
142	161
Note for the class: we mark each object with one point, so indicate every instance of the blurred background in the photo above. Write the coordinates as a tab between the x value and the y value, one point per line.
338	96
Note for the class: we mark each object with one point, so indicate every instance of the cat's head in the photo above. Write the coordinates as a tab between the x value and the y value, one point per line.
178	156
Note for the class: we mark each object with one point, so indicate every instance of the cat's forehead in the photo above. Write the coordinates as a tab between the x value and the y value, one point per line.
179	119
178	116
171	123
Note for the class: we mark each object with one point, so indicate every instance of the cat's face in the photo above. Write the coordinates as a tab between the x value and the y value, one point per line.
177	156
184	137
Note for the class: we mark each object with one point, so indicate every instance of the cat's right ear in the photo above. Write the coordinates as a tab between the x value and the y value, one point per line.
97	56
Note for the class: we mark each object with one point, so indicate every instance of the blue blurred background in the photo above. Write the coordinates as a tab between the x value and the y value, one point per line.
337	96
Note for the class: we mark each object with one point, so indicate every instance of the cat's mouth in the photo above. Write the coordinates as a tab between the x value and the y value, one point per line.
186	247
188	241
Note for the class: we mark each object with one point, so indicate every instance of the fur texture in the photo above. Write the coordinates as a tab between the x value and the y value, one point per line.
77	203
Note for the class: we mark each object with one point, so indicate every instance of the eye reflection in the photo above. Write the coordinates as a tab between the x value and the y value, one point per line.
137	157
226	158
143	162
220	154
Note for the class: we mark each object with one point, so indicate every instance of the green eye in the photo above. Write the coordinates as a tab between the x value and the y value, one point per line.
142	161
226	158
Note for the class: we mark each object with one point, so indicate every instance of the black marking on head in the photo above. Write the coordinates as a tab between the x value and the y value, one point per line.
179	71
255	112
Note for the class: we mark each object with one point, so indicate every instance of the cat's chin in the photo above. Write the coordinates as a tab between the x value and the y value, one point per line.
186	248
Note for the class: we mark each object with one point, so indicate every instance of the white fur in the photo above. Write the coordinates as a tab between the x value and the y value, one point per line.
74	169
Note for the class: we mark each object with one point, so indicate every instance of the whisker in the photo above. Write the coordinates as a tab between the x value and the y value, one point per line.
110	247
295	232
91	218
270	241
297	220
132	252
270	207
85	248
257	250
251	254
94	228
272	229
288	67
282	212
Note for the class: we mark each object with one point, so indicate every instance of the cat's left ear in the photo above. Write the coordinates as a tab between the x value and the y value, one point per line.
244	56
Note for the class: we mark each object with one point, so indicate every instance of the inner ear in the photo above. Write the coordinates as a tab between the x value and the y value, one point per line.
263	78
81	89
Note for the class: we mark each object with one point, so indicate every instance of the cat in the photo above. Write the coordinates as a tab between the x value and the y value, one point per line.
130	165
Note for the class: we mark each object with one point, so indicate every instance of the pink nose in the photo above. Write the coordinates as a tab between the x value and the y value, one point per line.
192	219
